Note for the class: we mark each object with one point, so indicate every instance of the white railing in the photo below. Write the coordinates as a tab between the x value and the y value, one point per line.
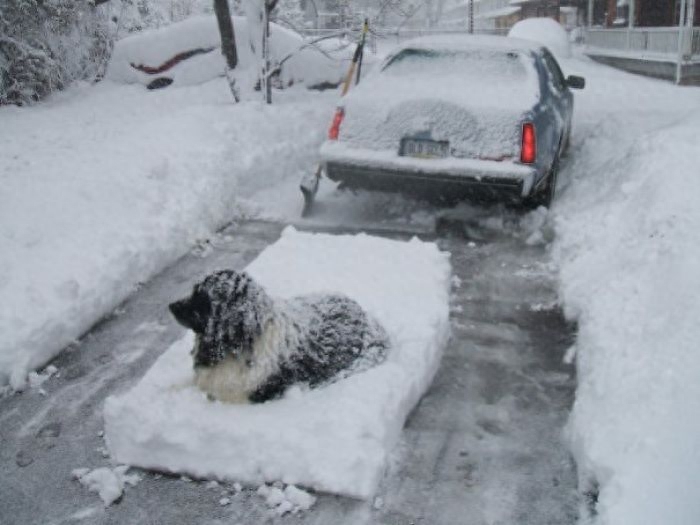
646	41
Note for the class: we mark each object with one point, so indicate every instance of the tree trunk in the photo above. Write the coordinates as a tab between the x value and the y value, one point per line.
228	42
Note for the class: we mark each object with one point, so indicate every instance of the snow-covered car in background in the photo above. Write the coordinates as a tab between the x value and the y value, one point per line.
456	116
545	31
189	52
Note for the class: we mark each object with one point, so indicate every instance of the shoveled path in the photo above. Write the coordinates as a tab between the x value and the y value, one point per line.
484	446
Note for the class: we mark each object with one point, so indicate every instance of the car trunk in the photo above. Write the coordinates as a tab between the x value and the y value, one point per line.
469	133
474	104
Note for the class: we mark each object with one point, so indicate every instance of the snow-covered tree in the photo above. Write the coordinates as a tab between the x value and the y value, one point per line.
289	13
45	44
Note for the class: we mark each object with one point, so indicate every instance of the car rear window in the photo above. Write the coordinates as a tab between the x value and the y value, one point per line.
500	65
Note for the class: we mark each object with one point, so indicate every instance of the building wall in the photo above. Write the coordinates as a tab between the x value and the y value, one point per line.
648	13
541	8
656	13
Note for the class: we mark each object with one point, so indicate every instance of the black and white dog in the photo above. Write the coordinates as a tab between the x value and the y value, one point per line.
251	348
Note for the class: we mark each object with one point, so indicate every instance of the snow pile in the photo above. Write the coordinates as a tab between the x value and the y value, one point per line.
104	186
545	31
108	483
628	250
288	500
335	438
36	379
156	47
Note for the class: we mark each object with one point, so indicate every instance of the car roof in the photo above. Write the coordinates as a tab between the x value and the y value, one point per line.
465	42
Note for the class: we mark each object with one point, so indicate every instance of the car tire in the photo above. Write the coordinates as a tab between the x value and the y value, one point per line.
545	195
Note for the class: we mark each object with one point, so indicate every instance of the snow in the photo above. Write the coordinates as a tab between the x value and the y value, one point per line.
108	483
153	48
36	379
291	499
104	186
99	194
545	31
626	243
335	439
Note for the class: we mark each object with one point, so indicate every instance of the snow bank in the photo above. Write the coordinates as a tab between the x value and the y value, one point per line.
627	231
104	186
545	31
333	439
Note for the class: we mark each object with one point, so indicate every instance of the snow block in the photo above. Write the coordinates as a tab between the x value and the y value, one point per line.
334	439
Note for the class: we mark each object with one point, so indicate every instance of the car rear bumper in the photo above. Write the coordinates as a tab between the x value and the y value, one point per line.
454	177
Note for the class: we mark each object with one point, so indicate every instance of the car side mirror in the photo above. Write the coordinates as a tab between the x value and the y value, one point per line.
575	82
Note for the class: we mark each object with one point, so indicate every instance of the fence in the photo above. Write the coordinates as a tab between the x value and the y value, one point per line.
647	41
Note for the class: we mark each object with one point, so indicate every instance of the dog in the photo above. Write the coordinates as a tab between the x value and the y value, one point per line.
249	347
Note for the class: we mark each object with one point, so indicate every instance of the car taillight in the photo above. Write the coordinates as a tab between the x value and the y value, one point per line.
335	125
528	153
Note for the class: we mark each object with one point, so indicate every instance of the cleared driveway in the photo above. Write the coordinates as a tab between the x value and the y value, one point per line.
484	446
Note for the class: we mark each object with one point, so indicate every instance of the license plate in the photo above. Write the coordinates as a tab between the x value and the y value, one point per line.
424	148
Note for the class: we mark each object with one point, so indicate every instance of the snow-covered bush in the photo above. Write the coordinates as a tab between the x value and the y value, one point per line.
130	16
46	44
289	13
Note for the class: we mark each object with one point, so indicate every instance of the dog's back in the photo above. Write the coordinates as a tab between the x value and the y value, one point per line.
336	338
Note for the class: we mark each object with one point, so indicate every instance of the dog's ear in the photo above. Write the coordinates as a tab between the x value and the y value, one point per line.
192	312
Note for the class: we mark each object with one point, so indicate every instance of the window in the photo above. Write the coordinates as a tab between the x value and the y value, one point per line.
555	73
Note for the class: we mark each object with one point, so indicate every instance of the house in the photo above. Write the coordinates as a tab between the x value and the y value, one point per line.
650	37
498	16
647	13
537	8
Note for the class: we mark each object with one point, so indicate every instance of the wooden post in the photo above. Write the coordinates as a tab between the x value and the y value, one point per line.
691	15
681	42
612	13
471	17
630	22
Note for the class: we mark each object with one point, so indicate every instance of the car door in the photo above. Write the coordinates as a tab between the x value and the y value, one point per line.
561	96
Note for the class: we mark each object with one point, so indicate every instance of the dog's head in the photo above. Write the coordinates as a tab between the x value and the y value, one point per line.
227	311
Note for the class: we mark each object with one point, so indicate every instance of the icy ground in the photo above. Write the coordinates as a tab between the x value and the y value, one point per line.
182	162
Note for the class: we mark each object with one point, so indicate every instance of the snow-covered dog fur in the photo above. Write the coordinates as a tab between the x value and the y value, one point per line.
251	348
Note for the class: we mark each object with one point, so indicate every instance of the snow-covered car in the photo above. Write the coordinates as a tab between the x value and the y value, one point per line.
189	52
545	31
456	116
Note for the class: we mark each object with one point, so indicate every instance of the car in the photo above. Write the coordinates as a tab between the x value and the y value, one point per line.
189	53
456	116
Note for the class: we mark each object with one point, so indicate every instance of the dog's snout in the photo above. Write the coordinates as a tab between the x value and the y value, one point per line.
190	313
